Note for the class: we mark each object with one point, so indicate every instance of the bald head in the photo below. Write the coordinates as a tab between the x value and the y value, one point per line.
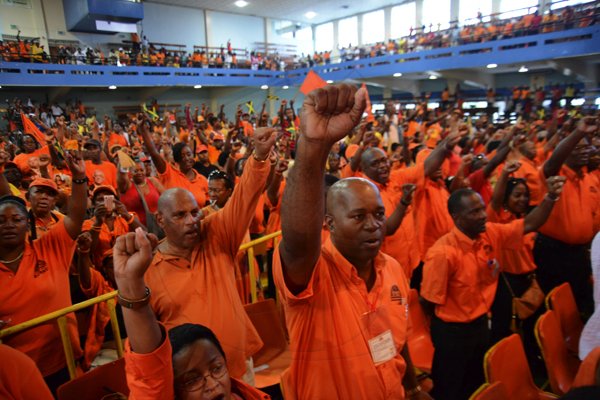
349	190
369	154
170	197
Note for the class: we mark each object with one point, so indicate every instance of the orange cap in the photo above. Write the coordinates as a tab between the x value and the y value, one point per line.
49	183
104	188
201	148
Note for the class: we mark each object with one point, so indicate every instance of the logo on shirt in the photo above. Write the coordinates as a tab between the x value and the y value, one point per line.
396	295
40	268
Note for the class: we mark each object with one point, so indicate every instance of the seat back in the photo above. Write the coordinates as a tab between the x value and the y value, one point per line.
97	383
561	367
506	362
491	391
562	302
586	375
265	318
419	337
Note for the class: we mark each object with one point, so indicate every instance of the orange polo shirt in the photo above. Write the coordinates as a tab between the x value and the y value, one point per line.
331	322
198	186
518	261
203	291
531	173
431	214
40	286
572	218
403	243
20	378
150	376
107	173
460	274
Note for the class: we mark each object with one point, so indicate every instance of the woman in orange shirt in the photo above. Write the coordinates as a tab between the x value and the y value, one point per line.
190	364
510	201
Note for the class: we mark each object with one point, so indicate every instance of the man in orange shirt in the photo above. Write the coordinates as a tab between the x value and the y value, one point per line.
460	276
98	172
561	249
345	302
194	265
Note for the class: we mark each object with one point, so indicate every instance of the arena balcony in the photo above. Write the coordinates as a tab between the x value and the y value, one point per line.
574	49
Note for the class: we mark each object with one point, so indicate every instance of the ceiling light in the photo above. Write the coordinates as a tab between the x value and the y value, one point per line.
197	86
112	87
492	65
285	87
264	87
397	74
241	3
433	77
567	72
310	14
523	69
329	81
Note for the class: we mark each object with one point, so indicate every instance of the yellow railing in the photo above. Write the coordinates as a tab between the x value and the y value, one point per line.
61	315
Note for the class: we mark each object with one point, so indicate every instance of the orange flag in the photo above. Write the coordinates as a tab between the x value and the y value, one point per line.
369	111
29	127
311	82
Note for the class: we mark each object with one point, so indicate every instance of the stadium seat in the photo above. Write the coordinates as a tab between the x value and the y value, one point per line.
274	357
561	301
587	373
491	391
506	362
107	379
560	365
419	338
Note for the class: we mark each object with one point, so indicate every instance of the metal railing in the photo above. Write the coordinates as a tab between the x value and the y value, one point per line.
61	315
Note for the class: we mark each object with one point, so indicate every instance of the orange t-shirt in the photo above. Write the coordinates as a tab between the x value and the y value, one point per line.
22	160
403	243
40	286
513	261
460	274
331	322
104	173
572	218
213	154
20	377
115	138
106	237
173	178
203	291
150	376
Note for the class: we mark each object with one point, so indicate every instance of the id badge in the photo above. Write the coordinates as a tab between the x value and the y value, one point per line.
378	334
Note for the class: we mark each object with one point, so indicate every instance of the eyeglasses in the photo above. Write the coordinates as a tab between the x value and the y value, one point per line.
199	382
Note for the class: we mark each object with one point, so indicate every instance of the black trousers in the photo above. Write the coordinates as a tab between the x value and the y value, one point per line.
457	369
559	262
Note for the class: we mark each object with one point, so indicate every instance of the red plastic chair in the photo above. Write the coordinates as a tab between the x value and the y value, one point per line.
491	391
275	356
506	362
561	301
586	375
101	381
419	337
561	367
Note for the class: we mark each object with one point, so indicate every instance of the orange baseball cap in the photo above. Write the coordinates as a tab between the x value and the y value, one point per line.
104	188
201	148
49	183
218	136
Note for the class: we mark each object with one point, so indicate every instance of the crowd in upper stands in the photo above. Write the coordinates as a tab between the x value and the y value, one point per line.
141	52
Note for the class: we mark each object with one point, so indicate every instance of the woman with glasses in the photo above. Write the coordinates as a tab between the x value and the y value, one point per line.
191	364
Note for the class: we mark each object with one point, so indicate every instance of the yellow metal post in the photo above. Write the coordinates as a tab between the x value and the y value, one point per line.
66	341
252	274
114	323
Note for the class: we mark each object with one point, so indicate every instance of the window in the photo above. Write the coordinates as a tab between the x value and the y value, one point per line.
468	9
324	37
517	8
373	27
565	3
403	18
436	12
348	32
304	40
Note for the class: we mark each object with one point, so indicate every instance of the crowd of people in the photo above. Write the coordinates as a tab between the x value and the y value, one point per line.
156	205
140	52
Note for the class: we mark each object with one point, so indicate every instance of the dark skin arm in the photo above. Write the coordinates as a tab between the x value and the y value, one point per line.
409	380
4	187
157	159
500	188
499	157
78	201
329	114
84	263
273	188
436	158
365	144
566	146
394	221
538	216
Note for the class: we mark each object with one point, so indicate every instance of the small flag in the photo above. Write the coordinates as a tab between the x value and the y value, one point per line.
250	106
311	82
30	128
368	108
272	97
153	115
